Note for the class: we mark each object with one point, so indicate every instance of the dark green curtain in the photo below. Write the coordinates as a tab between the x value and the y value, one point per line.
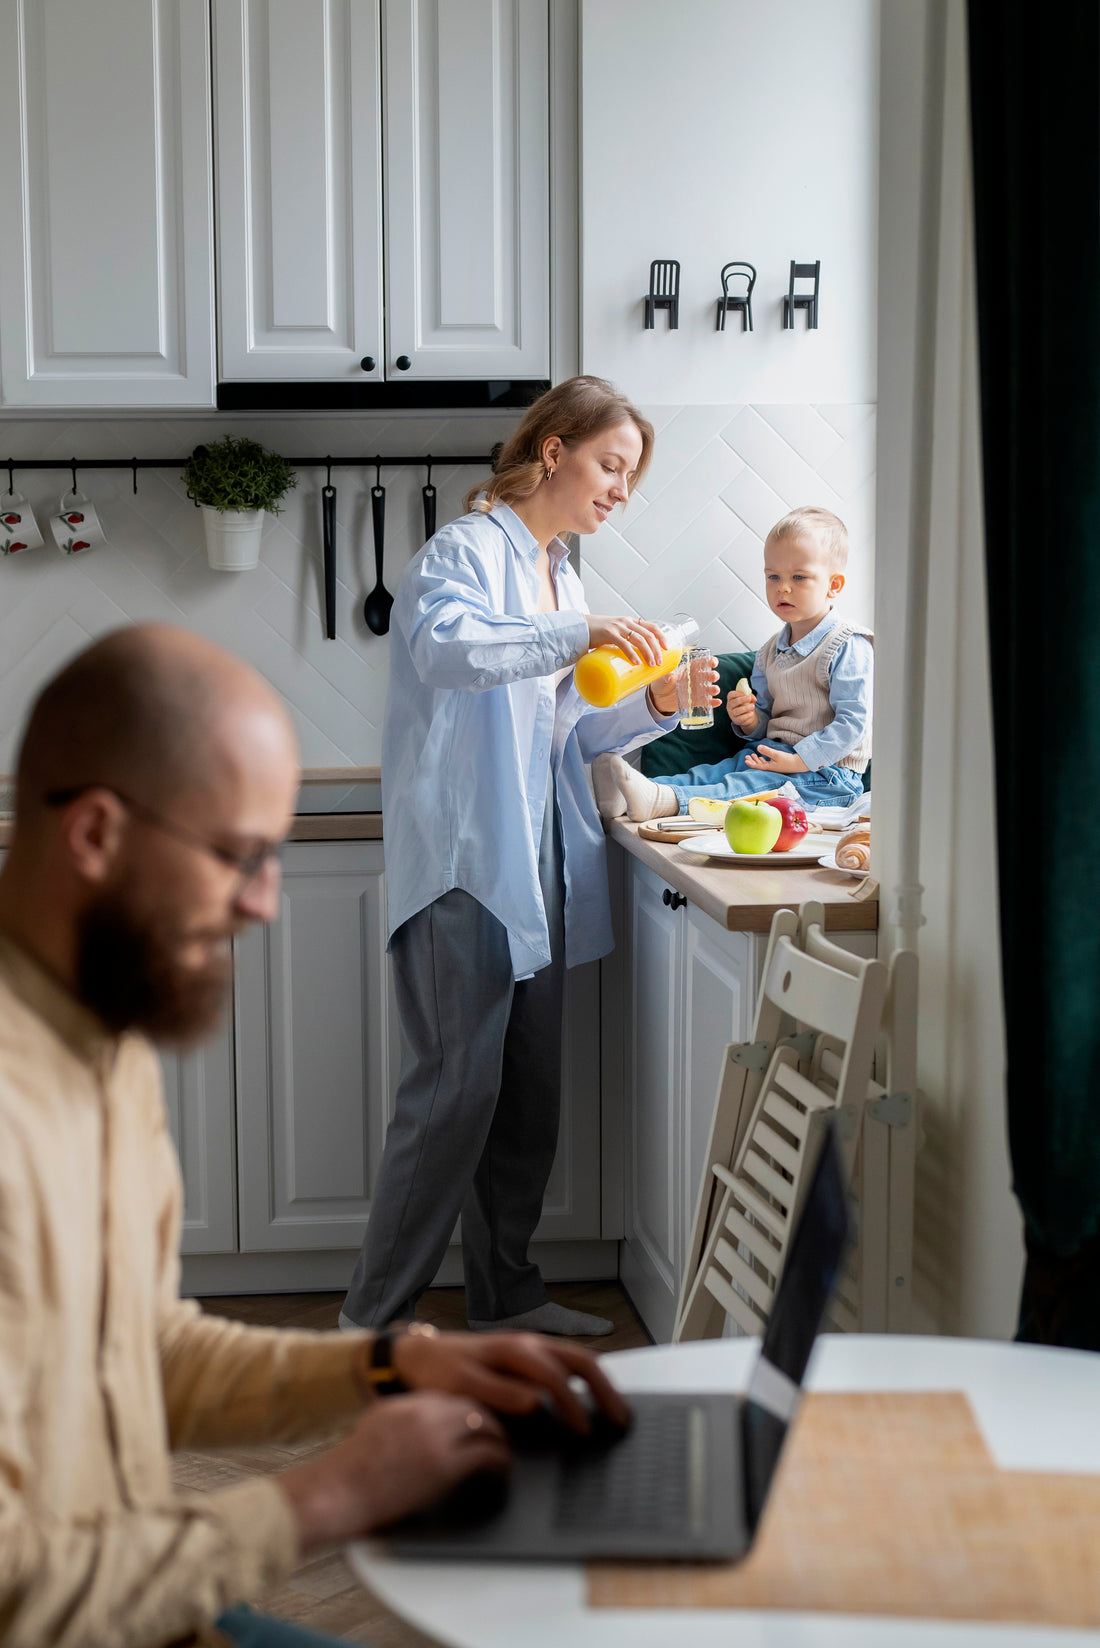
1035	99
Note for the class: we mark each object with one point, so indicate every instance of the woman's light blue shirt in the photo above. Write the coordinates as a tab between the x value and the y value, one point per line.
474	725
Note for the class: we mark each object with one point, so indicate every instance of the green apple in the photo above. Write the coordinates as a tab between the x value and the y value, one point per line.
753	826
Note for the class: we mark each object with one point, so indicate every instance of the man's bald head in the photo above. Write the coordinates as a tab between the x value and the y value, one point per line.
151	710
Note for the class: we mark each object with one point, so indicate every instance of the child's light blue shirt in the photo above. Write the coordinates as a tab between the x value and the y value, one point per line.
474	726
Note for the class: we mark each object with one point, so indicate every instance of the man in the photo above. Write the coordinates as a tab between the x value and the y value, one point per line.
155	782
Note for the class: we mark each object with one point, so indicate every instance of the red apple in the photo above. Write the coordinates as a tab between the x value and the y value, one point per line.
75	518
81	543
795	823
13	520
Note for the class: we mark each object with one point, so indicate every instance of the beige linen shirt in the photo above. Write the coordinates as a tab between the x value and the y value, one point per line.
104	1369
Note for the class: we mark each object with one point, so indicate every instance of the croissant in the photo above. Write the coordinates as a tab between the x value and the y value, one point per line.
853	850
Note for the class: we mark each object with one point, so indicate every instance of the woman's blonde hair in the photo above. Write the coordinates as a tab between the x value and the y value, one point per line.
574	411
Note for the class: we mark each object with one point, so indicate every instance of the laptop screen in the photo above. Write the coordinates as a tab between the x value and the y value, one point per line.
817	1249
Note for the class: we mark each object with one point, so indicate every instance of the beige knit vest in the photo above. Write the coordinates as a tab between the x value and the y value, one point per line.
800	691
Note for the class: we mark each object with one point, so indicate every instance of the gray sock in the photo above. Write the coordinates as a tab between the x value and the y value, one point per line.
550	1318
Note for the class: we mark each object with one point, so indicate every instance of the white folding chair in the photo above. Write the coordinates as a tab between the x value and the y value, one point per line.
755	1199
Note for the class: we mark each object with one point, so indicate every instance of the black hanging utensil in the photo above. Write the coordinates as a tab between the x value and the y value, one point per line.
428	495
376	607
328	524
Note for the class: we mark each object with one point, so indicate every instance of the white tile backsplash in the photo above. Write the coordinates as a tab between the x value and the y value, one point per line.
689	540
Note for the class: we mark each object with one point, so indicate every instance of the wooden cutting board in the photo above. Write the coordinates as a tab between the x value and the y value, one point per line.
889	1503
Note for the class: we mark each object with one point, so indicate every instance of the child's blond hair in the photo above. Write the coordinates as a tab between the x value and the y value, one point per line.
826	529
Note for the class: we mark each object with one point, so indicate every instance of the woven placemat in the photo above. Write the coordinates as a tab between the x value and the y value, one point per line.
889	1503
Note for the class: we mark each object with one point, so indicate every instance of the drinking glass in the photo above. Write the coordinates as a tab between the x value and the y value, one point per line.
693	687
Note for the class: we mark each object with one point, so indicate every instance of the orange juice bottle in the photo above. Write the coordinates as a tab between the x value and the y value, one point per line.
605	675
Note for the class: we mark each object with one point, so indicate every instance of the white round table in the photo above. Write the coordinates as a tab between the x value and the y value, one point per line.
1037	1409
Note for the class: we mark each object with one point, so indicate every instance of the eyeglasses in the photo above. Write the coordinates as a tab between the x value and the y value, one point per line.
247	865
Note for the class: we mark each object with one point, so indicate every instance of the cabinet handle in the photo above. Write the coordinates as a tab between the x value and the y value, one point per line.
367	363
673	900
402	363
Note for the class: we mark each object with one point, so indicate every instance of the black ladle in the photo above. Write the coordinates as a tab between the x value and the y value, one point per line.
328	523
427	493
376	607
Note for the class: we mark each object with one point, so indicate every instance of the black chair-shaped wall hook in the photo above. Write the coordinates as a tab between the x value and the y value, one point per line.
736	300
802	300
664	292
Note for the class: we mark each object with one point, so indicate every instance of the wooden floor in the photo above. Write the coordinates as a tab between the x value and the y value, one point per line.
322	1593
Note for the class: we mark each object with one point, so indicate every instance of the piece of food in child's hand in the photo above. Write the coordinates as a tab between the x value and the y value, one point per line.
743	685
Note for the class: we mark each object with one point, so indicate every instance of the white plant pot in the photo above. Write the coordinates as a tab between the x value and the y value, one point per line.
232	537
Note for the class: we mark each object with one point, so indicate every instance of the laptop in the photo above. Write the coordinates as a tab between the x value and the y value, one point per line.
690	1479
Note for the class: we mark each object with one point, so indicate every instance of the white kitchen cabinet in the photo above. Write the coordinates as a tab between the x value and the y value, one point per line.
106	259
299	157
318	1063
199	1099
314	1057
467	188
310	94
688	995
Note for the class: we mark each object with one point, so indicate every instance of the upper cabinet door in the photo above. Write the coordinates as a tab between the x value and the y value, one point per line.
467	188
298	100
106	259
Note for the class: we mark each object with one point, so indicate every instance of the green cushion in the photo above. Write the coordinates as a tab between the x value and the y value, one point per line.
698	747
701	746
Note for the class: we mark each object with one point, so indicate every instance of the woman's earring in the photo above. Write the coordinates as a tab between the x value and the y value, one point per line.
549	473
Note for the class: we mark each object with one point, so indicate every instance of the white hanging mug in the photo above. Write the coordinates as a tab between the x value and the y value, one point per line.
76	525
18	527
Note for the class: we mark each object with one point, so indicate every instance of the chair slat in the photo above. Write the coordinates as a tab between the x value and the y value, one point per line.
746	1316
759	1173
759	1291
765	1138
759	1243
755	1203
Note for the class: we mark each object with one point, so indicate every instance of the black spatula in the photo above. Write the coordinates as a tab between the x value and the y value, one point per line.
376	607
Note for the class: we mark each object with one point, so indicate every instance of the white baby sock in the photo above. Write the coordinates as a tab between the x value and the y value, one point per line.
644	798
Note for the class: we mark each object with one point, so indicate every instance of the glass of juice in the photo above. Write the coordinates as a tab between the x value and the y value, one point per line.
693	687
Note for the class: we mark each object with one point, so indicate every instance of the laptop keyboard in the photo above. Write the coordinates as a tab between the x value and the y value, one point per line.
649	1482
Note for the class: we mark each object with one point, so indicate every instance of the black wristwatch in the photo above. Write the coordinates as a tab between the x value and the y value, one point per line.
381	1373
382	1376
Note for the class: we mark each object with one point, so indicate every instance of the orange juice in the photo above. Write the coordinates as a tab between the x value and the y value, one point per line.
605	675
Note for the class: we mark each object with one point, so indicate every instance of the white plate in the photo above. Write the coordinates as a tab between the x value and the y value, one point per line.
828	862
714	845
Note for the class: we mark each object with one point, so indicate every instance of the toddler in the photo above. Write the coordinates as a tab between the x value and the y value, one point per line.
808	714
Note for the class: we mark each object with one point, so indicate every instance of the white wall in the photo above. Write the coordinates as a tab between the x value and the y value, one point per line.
153	565
722	129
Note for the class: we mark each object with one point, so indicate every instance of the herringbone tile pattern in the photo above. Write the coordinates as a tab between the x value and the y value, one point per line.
690	540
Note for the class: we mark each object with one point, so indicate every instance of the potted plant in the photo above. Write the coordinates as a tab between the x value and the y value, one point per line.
234	481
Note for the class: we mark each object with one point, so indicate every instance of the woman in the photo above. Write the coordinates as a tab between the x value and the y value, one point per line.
495	870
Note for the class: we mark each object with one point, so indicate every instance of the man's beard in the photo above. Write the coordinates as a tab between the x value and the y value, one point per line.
127	973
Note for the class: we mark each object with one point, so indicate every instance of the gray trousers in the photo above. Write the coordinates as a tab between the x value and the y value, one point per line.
475	1127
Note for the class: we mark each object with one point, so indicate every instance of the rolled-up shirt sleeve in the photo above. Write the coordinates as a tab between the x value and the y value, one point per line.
456	639
118	1575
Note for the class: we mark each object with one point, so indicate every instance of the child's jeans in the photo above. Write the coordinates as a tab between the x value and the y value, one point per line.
726	780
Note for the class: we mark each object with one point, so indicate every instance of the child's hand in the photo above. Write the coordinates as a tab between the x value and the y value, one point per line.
741	709
778	761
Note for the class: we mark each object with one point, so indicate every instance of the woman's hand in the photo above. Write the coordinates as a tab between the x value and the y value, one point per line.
640	639
662	692
784	761
741	709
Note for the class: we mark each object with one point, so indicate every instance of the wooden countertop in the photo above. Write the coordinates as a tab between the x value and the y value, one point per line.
744	901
